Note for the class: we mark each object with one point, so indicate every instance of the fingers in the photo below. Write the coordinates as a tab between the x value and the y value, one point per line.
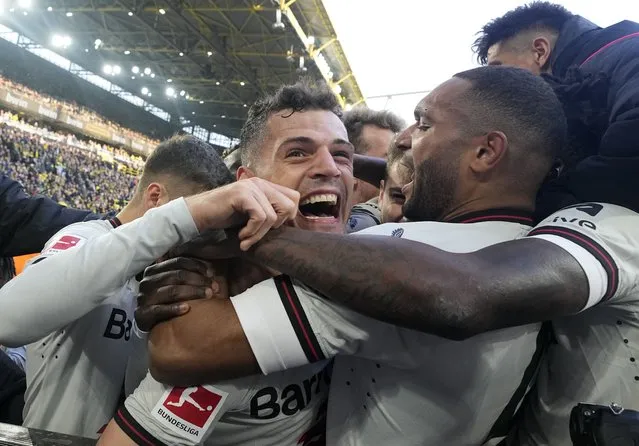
180	263
148	317
269	207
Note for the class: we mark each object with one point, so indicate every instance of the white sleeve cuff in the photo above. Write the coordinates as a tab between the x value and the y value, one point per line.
597	277
268	328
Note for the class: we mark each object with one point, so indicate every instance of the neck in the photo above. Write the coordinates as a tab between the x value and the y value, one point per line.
131	211
490	202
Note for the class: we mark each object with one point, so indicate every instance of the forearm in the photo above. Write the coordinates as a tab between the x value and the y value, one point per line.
62	288
420	287
369	169
205	345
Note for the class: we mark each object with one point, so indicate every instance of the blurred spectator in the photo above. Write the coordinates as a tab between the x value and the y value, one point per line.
371	132
78	111
77	175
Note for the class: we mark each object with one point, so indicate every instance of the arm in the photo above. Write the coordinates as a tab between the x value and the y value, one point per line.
369	169
423	288
28	222
63	287
207	344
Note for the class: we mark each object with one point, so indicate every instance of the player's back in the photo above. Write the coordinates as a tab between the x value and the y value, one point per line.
75	375
595	354
422	389
282	409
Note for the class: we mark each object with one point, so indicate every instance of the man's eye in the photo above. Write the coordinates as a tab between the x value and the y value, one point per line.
342	154
295	153
398	196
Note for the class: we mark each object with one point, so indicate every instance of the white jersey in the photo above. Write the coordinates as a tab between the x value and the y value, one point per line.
595	358
71	369
282	409
76	300
392	385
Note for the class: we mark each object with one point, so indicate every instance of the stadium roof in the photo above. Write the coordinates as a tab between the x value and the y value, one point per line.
220	54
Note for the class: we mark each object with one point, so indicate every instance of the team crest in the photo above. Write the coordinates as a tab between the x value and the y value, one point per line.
191	410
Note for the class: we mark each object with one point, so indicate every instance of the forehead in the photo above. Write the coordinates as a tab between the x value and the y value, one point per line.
446	98
319	125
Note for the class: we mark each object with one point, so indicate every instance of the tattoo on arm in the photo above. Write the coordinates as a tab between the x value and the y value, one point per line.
424	288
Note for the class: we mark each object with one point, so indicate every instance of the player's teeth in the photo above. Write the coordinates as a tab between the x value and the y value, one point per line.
321	198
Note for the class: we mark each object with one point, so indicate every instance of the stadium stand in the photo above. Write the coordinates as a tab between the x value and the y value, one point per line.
76	173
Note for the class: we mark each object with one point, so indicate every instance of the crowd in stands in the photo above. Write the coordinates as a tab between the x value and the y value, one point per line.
78	111
75	173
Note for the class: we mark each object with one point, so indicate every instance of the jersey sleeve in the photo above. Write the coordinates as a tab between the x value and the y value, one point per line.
157	414
604	239
289	325
82	266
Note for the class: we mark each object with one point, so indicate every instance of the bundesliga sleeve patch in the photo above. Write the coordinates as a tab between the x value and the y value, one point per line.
189	411
63	243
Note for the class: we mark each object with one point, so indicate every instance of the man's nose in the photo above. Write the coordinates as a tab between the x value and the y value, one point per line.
324	164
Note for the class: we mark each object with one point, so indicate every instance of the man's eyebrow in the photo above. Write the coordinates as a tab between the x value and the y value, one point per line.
342	142
298	139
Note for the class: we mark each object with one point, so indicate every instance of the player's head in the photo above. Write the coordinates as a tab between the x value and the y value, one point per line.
179	167
296	138
399	172
523	37
371	132
487	134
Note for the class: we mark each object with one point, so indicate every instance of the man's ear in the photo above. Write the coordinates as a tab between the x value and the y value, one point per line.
244	172
541	48
489	153
381	191
153	194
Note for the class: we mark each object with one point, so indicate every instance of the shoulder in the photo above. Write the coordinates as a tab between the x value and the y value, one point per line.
75	235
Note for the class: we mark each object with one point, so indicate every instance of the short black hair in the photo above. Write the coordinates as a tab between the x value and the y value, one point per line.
304	95
522	106
533	15
354	120
190	161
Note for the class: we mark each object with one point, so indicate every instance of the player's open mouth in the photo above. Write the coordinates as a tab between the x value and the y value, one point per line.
320	206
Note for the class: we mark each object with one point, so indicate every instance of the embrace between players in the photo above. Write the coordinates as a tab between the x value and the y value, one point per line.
433	325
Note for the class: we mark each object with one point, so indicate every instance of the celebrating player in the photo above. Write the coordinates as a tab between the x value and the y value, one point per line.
481	153
296	139
77	298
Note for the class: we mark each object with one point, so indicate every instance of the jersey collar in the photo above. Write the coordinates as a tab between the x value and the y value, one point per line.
507	215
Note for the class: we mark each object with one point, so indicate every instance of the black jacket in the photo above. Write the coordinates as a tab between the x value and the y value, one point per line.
26	223
611	173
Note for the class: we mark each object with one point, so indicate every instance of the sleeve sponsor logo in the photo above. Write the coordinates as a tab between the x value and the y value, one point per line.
189	411
63	243
397	233
575	221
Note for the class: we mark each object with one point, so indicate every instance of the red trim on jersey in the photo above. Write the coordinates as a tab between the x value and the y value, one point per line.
595	249
133	429
298	319
507	215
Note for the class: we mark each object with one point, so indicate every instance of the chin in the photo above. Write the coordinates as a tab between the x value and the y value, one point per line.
325	224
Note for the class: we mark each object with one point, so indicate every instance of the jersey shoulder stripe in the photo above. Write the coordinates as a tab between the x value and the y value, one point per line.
299	321
134	430
595	249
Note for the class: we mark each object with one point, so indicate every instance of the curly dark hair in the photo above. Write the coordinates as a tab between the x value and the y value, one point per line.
533	15
306	94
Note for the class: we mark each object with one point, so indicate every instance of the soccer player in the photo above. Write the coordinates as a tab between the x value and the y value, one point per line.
391	196
480	153
294	138
74	304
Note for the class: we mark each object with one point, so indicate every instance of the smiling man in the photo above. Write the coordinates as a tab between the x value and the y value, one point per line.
296	139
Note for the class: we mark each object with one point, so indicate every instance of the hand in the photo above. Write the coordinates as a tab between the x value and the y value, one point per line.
168	284
211	245
259	204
